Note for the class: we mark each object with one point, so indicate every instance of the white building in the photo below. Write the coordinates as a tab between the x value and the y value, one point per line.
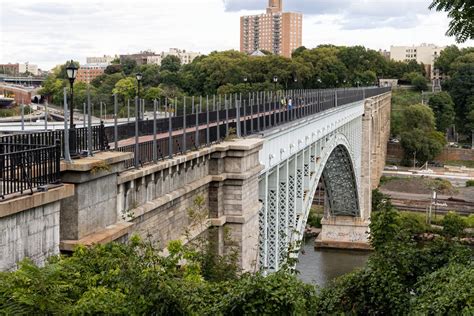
100	60
424	53
184	56
27	67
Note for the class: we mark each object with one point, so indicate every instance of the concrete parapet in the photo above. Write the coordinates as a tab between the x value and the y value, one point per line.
29	226
93	206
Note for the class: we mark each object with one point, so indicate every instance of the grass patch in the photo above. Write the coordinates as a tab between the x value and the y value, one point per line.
460	163
420	218
387	179
470	183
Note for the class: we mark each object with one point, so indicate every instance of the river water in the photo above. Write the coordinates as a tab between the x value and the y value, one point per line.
321	266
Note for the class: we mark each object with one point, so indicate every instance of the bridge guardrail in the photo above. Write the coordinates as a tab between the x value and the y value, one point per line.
26	167
255	111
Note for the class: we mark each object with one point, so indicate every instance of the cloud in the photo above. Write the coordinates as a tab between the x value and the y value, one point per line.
352	14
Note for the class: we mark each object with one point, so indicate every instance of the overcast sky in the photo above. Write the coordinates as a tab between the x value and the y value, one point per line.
53	31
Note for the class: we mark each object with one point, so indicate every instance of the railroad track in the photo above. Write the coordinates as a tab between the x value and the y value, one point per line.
459	206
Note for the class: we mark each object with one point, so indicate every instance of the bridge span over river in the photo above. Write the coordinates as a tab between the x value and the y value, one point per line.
254	163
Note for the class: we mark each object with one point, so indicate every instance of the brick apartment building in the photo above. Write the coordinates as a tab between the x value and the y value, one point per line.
275	31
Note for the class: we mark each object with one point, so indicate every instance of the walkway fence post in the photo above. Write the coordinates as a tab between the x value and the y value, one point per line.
67	155
237	113
128	110
197	123
208	136
22	115
155	149
89	123
251	99
183	150
83	115
115	121
170	129
218	119
46	116
226	115
136	133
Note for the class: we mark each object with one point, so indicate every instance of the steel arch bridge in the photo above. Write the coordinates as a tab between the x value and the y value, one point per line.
327	146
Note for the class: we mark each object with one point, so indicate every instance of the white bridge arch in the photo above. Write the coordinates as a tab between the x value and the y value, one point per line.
295	157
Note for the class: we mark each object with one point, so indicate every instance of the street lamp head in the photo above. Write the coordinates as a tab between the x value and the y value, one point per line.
295	79
245	78
275	79
71	71
139	76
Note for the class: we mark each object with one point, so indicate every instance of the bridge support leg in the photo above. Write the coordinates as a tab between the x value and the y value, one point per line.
234	201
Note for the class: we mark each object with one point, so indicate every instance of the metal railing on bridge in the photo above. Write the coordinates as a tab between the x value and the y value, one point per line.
214	119
27	167
200	122
51	137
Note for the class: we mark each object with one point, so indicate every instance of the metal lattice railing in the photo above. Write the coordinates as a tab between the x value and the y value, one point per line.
241	115
26	167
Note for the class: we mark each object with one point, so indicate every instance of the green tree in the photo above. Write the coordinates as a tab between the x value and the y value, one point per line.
171	63
461	13
129	66
113	69
446	58
419	116
153	93
425	145
443	108
125	87
419	82
151	75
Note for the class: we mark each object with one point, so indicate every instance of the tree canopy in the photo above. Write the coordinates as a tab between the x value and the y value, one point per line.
461	13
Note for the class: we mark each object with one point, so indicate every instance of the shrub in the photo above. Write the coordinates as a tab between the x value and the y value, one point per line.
314	219
470	183
453	225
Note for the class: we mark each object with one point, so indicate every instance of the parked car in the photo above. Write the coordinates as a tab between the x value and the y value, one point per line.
391	168
394	141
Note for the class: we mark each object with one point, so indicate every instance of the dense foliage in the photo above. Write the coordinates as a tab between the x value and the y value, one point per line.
419	137
325	66
401	277
458	65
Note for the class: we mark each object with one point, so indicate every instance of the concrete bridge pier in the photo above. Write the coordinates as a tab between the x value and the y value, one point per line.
351	232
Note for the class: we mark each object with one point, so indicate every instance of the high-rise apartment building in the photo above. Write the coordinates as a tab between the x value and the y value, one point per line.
276	31
424	53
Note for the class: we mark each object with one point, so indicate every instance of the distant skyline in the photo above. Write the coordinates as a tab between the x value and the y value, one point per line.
50	32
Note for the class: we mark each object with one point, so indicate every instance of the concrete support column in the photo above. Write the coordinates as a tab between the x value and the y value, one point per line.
236	197
93	207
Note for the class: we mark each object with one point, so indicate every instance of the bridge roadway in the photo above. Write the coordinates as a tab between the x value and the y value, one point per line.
325	146
258	187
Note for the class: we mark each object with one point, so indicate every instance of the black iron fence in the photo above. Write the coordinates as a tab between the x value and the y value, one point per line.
217	118
27	167
51	137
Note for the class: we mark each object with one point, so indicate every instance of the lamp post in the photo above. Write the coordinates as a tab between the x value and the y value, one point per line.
71	71
137	102
139	77
275	80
